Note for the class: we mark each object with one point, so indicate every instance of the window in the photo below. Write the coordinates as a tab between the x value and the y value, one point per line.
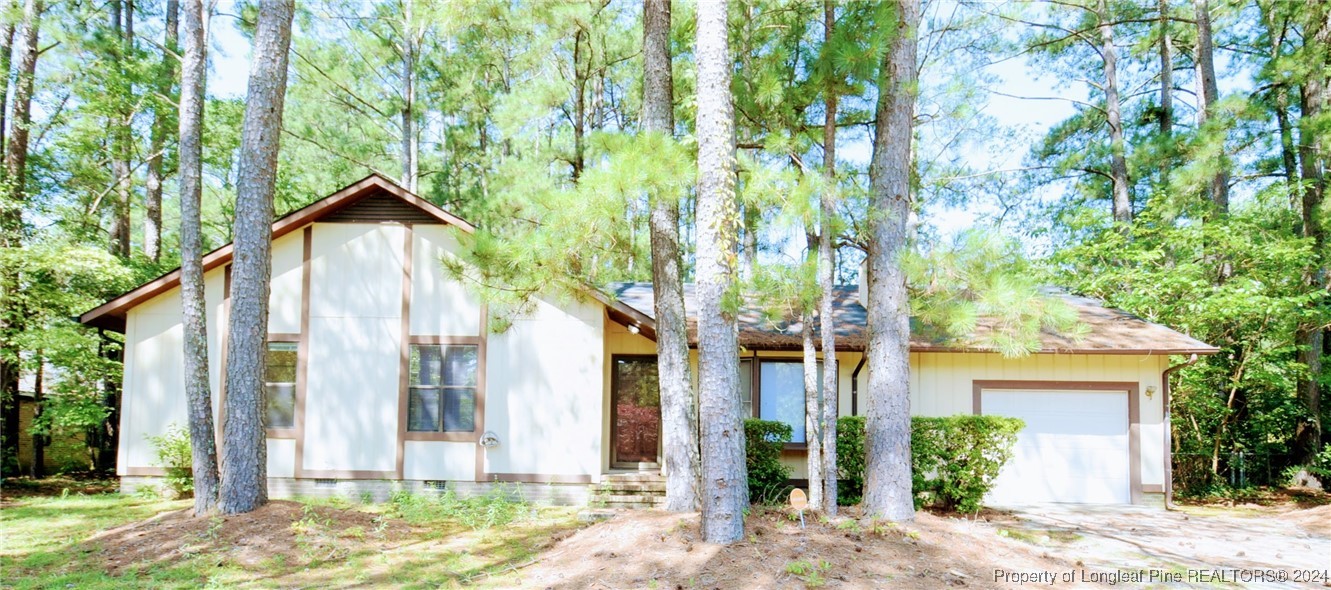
781	394
442	396
279	381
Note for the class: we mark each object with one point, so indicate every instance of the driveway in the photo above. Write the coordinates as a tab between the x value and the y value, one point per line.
1205	550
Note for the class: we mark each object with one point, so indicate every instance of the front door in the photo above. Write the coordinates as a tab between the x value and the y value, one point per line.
635	419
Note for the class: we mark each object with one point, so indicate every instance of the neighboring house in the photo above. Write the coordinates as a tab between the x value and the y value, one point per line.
382	375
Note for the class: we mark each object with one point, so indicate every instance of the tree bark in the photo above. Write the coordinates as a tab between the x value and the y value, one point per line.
1166	74
152	222
410	142
679	413
11	222
1315	93
813	408
1118	165
724	490
6	63
1208	95
121	177
244	456
579	104
826	268
887	485
198	393
38	399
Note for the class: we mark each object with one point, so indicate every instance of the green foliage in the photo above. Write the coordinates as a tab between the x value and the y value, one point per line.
175	455
763	441
954	460
498	506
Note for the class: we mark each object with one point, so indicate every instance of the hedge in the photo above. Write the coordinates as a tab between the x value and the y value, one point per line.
954	460
763	441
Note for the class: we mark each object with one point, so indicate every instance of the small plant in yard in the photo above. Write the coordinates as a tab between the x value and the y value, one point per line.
499	506
176	457
812	574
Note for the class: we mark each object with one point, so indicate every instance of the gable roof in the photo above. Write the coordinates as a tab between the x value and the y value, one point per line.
1112	331
373	198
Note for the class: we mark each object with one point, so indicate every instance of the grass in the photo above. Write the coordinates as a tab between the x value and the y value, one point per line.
446	542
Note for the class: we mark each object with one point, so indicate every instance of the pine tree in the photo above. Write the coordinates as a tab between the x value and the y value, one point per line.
244	482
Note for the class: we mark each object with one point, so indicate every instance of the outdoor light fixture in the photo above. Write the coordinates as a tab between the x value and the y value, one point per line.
1150	391
489	440
633	329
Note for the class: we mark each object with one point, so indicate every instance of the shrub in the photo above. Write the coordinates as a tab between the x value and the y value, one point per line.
954	460
175	455
763	441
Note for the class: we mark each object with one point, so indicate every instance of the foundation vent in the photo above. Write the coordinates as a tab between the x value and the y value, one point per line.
325	483
436	485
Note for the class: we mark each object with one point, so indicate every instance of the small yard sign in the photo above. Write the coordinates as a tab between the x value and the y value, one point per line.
799	502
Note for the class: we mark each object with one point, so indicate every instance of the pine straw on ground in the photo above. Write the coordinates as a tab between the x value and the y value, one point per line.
1317	520
288	532
650	549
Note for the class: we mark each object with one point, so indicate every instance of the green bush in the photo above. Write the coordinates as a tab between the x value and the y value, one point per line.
175	455
954	460
768	478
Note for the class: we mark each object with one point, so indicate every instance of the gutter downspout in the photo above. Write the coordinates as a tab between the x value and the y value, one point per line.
855	387
1168	439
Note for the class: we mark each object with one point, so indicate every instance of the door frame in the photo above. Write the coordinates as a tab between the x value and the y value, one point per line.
978	386
614	422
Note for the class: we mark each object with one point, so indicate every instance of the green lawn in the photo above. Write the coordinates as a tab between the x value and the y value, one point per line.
411	542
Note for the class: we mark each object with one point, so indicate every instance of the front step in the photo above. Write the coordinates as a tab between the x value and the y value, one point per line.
629	490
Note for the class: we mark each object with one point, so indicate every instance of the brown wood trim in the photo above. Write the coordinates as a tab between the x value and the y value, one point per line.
1133	390
472	340
482	350
1153	488
283	337
348	474
142	471
539	478
111	315
404	351
303	348
442	436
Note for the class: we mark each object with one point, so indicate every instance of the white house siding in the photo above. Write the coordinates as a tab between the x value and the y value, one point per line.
440	306
352	390
544	383
154	373
284	297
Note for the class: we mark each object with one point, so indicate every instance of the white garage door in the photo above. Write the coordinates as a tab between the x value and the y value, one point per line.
1074	447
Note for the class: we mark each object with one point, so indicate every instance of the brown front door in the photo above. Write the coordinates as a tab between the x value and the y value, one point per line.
635	418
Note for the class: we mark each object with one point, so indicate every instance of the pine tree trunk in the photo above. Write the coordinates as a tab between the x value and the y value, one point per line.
6	62
813	410
679	414
1166	73
11	222
410	143
38	400
244	455
198	393
887	484
579	103
1314	97
152	222
724	489
826	268
122	27
1118	167
1208	95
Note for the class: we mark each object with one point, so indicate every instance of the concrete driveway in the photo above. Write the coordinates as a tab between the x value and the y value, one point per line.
1179	549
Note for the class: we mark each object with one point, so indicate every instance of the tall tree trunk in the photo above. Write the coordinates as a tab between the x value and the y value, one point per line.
1314	97
1118	166
122	26
813	407
166	80
579	103
887	484
244	456
1208	94
11	223
6	62
679	414
410	142
724	490
1288	152
198	393
826	268
1166	74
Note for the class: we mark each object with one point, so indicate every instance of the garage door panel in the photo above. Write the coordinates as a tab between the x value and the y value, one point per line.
1075	447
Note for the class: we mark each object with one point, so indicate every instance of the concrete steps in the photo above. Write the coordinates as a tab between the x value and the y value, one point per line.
628	490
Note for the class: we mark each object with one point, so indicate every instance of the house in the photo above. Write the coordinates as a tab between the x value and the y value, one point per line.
382	374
